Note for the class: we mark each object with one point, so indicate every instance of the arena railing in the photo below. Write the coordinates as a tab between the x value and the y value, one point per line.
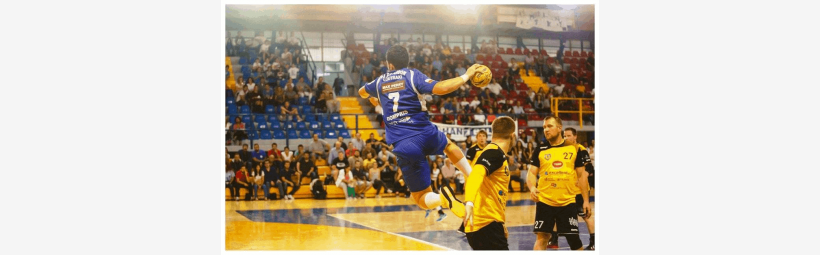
554	105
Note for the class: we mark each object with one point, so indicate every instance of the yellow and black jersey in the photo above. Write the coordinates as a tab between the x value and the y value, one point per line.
472	151
487	187
557	184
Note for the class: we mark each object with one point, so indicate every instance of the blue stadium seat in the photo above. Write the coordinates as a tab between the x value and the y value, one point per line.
289	125
339	125
302	101
304	134
246	119
278	134
232	118
243	61
307	108
292	134
255	74
344	133
245	110
301	125
271	80
282	83
260	118
314	125
229	100
265	134
252	60
309	117
326	124
335	117
269	109
253	135
331	134
275	124
232	110
258	80
229	93
245	69
262	126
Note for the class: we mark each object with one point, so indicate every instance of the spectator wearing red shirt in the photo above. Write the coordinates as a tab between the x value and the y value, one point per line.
242	182
351	150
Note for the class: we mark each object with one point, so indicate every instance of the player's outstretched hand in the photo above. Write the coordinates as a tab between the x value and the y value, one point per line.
471	71
534	194
587	210
379	109
468	214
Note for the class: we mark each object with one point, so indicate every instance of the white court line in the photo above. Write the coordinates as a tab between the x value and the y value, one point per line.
411	238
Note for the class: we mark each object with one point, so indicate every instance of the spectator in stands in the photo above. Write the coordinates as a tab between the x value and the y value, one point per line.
301	84
283	182
257	66
400	186
337	148
518	110
513	67
479	118
286	56
288	112
290	94
230	182
237	41
357	141
242	181
287	155
542	104
529	63
305	164
256	180
460	69
238	129
559	89
255	100
293	72
258	156
437	64
331	103
352	159
236	163
385	152
250	85
270	175
318	147
360	175
275	155
369	161
351	150
494	88
293	179
470	56
387	172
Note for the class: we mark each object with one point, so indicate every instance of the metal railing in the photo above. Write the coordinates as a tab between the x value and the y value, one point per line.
311	62
554	107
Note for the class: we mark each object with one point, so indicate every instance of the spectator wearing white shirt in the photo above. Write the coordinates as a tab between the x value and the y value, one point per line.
265	48
293	71
287	155
250	85
479	118
257	66
518	109
292	40
559	88
494	87
529	63
475	103
286	56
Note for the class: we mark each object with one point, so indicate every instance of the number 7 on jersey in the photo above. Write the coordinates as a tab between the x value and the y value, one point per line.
395	97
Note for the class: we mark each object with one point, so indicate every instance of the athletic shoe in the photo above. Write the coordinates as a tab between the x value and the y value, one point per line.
427	214
591	247
441	216
553	243
461	229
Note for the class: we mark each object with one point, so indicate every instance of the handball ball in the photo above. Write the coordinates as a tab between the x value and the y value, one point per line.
482	76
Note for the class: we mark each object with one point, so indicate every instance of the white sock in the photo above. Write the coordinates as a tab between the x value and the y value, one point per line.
438	208
432	200
464	165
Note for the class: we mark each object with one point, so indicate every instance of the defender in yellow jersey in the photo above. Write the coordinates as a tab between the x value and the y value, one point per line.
485	199
570	136
481	142
560	166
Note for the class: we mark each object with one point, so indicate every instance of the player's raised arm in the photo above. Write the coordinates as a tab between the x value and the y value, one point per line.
364	93
450	85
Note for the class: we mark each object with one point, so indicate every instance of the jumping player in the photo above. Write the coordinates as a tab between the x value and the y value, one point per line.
398	94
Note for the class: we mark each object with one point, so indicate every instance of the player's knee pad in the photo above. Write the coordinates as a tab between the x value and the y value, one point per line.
574	241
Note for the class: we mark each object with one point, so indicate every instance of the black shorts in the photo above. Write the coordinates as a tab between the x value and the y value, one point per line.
490	237
566	218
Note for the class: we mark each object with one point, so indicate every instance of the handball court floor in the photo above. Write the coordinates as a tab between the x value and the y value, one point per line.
388	223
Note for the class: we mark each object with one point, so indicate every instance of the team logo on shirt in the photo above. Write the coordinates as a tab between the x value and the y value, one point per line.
393	86
548	156
553	185
557	164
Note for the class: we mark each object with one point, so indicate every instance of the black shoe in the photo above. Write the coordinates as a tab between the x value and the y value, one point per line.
461	229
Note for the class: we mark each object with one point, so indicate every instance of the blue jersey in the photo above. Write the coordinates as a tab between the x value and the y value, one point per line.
400	95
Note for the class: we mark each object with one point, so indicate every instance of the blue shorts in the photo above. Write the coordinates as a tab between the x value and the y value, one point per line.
412	157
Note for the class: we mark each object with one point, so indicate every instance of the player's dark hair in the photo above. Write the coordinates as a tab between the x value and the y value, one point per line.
398	57
503	126
557	120
574	132
481	132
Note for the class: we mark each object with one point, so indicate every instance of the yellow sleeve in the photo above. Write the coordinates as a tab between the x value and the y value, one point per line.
474	182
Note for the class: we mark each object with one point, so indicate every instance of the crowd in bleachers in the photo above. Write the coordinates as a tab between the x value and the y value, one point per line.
570	75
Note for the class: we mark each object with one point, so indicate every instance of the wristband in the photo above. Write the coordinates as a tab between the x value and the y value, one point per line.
465	77
470	203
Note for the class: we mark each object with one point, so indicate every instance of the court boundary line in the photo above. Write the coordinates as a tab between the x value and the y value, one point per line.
399	235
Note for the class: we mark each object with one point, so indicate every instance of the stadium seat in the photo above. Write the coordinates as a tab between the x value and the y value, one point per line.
331	134
244	110
543	52
265	135
526	51
302	101
338	124
278	134
495	65
229	101
509	51
291	134
269	109
567	53
584	54
228	93
246	119
243	61
288	125
309	117
304	134
274	123
260	118
344	133
576	54
518	51
335	117
326	124
498	58
253	135
314	125
262	126
301	125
